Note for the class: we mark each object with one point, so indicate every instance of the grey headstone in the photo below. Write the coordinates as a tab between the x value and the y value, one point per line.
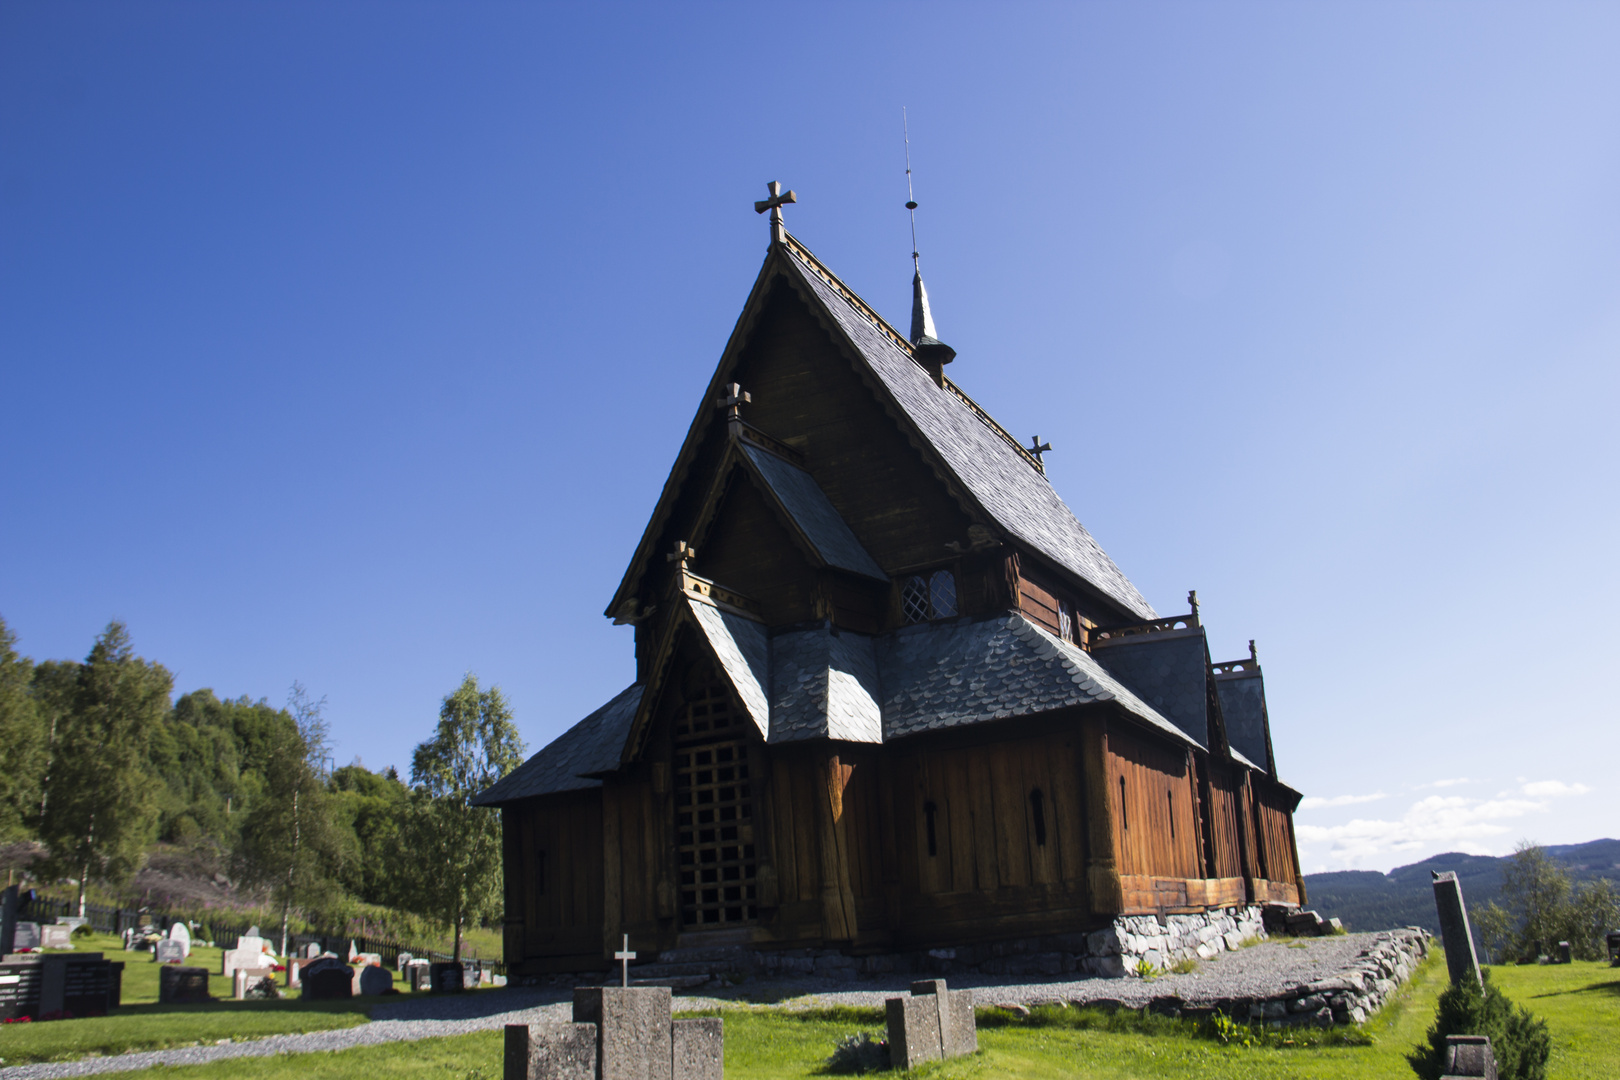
374	979
1469	1056
632	1029
961	1033
312	950
26	936
403	960
169	952
698	1048
1454	931
182	985
179	932
55	936
550	1052
419	976
914	1035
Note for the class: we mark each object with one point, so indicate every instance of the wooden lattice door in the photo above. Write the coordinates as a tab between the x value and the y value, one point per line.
714	813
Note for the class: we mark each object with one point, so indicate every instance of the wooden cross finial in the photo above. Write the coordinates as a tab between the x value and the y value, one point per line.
624	956
735	398
682	554
774	205
1254	657
1038	448
1192	601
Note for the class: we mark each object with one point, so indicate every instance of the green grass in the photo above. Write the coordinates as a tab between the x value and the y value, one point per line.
1581	1004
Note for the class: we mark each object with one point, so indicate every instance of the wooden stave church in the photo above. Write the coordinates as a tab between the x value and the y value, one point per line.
890	693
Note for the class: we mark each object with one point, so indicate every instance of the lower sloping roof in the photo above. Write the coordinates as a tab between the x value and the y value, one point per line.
1243	707
1170	670
590	746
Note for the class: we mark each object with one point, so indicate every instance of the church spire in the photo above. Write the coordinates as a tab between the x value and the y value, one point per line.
926	347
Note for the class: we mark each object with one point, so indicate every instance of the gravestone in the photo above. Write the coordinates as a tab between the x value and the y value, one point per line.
550	1052
249	953
169	952
698	1049
77	985
20	986
403	960
55	936
181	933
418	975
934	1023
352	951
9	902
633	1034
25	936
182	985
1612	940
373	979
1469	1056
253	983
312	950
446	978
1564	953
326	979
1455	934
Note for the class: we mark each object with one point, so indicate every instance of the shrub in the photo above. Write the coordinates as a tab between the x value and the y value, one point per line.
83	930
859	1053
1519	1041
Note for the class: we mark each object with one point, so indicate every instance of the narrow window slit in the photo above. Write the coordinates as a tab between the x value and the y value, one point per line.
1038	809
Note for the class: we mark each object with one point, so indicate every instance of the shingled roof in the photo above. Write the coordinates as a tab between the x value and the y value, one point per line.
590	746
802	498
1013	494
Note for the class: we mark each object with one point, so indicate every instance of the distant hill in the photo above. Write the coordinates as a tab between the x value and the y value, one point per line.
1368	900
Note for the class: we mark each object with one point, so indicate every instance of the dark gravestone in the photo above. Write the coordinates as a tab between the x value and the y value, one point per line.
1563	952
632	1029
8	920
1612	939
418	976
698	1048
182	985
374	979
1469	1056
446	978
19	988
76	985
550	1052
326	978
1461	961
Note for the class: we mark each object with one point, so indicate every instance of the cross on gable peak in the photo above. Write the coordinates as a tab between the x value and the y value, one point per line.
682	553
1037	448
774	204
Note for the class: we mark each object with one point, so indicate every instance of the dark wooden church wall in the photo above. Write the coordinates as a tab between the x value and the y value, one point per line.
1154	825
1008	853
1226	820
553	859
747	549
636	837
807	394
1279	859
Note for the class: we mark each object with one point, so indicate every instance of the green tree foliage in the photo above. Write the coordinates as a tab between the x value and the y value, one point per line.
457	845
290	839
23	736
373	807
1540	907
1519	1042
100	804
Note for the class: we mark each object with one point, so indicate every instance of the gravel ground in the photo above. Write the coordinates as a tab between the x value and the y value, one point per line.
1261	970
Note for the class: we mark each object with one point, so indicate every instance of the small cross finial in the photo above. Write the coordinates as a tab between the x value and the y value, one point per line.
1254	657
683	553
1192	601
1038	448
735	397
774	205
624	956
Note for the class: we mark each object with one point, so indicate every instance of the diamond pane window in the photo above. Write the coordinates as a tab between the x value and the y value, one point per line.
942	591
914	600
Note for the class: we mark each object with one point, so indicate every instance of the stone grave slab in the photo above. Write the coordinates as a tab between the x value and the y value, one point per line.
180	933
914	1035
403	960
446	978
253	982
632	1029
1461	962
55	936
1469	1056
26	936
182	985
20	987
169	952
559	1051
372	979
698	1048
326	978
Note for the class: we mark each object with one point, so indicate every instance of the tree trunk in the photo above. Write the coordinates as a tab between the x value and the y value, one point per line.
84	882
286	910
456	954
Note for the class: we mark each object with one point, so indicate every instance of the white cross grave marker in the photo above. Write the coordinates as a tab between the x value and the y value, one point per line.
624	956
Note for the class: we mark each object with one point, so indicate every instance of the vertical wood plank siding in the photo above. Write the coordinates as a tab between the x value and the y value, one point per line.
1154	831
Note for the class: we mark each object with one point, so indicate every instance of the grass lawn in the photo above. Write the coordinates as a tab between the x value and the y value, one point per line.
1581	1004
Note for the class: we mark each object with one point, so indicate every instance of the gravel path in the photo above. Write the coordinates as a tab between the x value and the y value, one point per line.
1261	970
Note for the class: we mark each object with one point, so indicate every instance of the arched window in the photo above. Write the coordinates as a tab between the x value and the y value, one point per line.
925	597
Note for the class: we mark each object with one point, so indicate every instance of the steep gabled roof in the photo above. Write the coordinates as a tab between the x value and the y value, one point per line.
1012	493
806	505
998	479
590	746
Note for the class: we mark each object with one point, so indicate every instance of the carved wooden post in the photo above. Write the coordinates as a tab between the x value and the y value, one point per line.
837	896
1102	861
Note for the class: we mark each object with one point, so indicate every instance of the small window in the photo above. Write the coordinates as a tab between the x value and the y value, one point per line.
1170	797
540	872
929	811
1037	808
924	598
1065	621
1124	820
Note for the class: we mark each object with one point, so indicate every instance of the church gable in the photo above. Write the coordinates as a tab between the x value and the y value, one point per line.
746	548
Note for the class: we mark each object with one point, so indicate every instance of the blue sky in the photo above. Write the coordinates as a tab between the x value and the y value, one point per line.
351	343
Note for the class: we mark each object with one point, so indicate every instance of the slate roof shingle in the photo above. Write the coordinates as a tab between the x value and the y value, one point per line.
1243	707
590	746
1170	671
810	509
1017	497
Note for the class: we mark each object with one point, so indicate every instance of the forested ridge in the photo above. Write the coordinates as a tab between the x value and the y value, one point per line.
117	789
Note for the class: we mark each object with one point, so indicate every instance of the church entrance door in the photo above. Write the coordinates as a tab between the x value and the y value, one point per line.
714	813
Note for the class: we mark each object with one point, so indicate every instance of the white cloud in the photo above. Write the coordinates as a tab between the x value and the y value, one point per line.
1542	789
1313	802
1445	783
1436	822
